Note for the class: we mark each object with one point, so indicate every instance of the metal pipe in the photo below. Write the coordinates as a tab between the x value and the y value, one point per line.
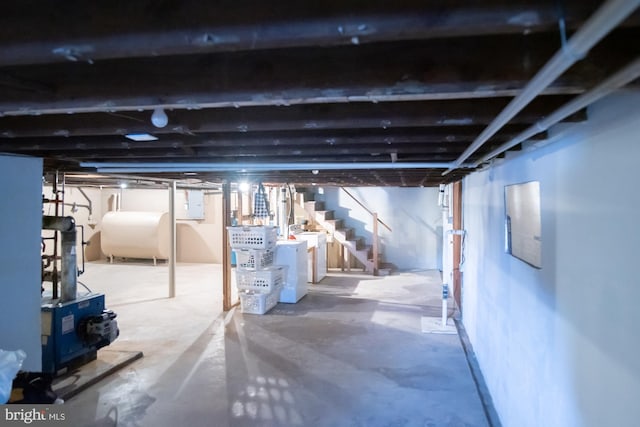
89	202
109	167
597	26
619	79
172	240
445	295
83	243
75	206
62	204
56	201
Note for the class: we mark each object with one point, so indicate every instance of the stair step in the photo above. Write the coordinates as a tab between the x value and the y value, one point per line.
334	225
345	233
355	245
314	205
362	253
337	231
308	195
362	245
324	215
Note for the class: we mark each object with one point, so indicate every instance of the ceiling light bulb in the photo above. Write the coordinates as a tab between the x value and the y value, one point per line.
159	118
315	171
244	187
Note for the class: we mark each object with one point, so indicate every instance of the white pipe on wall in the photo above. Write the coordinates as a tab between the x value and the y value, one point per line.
445	295
110	167
597	26
621	78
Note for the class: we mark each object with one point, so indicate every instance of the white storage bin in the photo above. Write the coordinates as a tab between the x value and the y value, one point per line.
261	280
253	259
253	237
258	303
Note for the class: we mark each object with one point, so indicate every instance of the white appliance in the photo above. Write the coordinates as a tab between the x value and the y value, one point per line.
317	240
293	254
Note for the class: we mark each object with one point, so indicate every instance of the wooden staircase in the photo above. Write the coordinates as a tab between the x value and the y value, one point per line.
355	245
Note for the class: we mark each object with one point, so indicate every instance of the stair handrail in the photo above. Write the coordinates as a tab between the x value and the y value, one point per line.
375	215
376	238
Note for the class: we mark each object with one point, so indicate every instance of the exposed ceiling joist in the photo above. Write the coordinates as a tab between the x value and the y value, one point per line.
390	87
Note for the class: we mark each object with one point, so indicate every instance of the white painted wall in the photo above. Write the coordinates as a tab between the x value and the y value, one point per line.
559	346
412	213
21	213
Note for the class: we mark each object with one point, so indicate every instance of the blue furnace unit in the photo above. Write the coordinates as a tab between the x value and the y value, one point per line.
73	331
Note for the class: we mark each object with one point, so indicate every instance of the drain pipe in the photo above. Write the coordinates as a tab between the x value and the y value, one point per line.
89	203
597	26
109	167
621	78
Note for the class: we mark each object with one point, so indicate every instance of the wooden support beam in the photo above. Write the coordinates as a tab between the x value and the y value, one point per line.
283	142
369	73
193	27
226	248
457	242
449	114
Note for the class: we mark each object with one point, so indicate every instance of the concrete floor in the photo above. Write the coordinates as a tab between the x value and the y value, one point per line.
351	353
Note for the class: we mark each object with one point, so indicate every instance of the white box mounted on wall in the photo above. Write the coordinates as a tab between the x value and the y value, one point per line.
195	204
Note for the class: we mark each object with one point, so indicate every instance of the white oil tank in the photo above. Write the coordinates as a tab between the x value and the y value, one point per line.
135	234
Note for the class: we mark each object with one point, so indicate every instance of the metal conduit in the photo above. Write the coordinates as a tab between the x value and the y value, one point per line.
251	167
605	19
619	79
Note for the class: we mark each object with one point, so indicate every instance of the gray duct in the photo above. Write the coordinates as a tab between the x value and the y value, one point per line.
69	275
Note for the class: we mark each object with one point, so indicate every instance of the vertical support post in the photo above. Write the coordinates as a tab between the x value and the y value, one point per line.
239	207
341	256
172	239
226	249
457	242
347	258
375	244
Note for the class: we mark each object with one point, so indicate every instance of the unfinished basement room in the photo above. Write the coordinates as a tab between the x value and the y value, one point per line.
381	214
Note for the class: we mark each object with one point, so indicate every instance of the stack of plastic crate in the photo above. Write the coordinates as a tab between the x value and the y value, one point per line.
259	281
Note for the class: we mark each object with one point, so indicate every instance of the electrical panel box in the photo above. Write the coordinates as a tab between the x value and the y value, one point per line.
195	204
